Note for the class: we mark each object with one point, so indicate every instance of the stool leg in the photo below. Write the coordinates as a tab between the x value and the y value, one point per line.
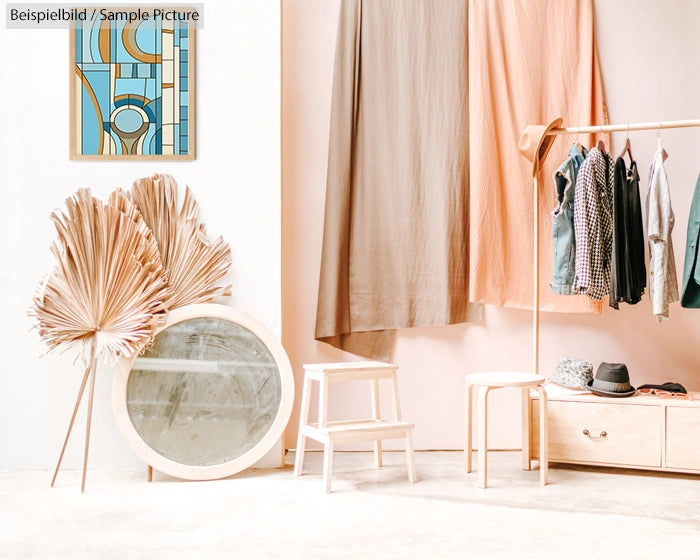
410	462
544	441
323	403
149	473
327	464
328	445
526	427
468	428
483	442
396	401
303	421
374	385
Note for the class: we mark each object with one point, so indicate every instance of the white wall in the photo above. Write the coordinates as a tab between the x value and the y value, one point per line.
650	56
235	178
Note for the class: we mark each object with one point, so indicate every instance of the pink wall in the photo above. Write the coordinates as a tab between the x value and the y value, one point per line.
650	74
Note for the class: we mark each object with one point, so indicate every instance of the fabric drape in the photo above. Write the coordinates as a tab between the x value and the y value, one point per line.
430	97
395	245
529	61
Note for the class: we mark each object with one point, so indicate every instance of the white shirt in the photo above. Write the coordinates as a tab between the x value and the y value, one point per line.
663	284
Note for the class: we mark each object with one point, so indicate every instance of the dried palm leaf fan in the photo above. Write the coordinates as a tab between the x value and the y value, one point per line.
106	295
193	265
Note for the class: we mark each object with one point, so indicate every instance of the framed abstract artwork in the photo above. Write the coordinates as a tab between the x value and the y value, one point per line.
132	88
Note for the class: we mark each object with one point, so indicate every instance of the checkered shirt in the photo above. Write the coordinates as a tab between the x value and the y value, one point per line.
593	225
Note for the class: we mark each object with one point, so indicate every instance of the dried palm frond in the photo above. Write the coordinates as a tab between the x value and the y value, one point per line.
108	287
106	295
193	264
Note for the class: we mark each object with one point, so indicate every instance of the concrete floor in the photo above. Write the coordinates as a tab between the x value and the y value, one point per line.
371	513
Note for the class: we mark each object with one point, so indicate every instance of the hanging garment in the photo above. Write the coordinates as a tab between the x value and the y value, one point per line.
563	241
528	63
663	283
691	270
395	241
627	269
593	224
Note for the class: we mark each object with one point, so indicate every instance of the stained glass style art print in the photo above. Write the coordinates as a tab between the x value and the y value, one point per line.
132	89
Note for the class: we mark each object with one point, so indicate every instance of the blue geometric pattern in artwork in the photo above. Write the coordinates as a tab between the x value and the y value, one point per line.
133	88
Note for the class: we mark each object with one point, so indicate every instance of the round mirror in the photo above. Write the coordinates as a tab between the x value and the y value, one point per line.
209	398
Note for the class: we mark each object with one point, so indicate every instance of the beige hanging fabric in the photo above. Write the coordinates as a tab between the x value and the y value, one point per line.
395	242
528	63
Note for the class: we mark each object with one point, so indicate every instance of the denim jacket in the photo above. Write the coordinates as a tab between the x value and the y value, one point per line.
563	239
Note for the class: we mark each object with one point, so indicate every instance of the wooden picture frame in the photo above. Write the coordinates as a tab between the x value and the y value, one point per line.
132	88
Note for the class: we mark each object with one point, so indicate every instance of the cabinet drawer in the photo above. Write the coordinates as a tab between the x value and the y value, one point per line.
633	433
683	438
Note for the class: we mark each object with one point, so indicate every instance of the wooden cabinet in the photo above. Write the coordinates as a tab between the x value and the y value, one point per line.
683	438
641	432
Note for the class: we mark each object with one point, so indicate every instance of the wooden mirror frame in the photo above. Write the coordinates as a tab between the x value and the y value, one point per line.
221	470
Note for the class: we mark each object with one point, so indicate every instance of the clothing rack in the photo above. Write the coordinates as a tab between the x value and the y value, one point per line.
587	129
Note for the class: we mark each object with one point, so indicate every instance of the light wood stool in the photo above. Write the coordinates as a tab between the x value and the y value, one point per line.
496	380
372	429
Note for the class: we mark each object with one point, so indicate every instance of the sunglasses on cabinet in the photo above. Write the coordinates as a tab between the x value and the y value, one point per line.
664	394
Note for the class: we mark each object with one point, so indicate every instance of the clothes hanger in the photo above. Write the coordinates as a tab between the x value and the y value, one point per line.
659	145
578	144
628	146
601	144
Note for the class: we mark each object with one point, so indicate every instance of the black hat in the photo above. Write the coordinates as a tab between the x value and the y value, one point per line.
611	380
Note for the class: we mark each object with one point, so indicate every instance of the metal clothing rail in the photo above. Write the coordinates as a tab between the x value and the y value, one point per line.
536	248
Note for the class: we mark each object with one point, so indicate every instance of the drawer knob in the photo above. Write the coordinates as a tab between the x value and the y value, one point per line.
599	436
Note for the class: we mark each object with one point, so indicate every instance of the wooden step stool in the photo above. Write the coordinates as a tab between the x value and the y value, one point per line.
372	429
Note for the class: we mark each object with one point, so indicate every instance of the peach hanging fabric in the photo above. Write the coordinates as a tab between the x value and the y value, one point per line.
395	239
529	61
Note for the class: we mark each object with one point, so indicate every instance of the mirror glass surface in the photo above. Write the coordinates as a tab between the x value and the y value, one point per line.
205	393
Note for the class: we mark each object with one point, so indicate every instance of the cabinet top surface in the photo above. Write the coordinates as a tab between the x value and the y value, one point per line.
558	392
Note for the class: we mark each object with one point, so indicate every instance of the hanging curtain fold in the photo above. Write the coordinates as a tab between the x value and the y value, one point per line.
528	61
396	222
428	99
